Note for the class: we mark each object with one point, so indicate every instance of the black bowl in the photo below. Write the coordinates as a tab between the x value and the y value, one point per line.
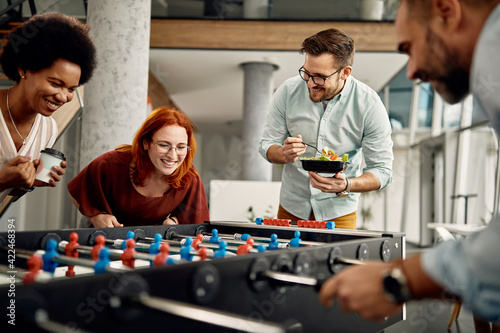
324	166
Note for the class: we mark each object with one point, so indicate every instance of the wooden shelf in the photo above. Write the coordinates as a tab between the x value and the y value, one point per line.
264	35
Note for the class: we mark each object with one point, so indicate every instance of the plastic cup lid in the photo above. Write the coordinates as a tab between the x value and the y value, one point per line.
54	152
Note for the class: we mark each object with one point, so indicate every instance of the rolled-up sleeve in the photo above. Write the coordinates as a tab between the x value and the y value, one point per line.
275	131
377	144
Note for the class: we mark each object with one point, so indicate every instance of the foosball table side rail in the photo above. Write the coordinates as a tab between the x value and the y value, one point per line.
236	286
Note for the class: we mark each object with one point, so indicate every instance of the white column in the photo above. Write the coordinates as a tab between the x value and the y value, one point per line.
116	97
258	90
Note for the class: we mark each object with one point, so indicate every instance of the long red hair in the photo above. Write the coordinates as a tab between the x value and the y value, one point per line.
156	120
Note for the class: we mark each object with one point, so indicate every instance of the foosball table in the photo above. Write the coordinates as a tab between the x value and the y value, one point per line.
220	282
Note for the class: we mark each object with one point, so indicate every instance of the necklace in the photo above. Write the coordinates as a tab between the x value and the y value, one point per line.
13	123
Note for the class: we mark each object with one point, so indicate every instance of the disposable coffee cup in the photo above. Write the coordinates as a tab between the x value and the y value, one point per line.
48	158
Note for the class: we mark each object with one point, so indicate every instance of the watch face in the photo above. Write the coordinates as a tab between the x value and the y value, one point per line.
392	286
395	291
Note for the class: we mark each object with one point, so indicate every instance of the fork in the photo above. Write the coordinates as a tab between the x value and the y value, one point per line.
311	147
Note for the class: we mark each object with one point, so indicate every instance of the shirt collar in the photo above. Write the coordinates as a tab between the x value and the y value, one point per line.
347	87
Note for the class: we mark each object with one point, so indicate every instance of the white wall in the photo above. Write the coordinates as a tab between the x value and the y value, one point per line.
241	200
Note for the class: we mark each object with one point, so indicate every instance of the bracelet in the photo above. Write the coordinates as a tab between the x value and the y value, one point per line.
18	192
347	189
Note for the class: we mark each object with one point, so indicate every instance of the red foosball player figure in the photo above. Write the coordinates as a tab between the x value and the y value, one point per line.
202	253
34	263
127	257
197	241
100	241
245	248
70	250
161	258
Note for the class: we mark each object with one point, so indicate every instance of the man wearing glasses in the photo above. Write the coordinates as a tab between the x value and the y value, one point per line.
325	106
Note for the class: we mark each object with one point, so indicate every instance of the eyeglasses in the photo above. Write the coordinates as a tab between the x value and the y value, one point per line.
165	148
320	79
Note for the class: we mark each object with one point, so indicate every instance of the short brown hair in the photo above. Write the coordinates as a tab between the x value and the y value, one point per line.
332	41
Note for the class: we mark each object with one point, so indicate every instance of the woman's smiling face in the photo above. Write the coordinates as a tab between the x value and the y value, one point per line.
50	88
168	149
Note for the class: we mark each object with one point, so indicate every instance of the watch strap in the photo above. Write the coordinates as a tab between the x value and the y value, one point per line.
396	286
347	189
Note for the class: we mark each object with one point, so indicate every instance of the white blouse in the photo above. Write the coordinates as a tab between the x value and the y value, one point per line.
43	134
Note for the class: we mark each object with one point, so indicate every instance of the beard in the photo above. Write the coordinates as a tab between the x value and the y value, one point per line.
324	93
451	80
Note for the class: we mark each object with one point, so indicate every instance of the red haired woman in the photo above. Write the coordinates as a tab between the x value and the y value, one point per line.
153	181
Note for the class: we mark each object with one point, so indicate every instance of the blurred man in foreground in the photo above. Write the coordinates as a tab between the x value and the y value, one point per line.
454	44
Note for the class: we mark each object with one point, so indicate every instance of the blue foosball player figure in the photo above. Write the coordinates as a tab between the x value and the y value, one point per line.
273	244
49	265
154	248
215	239
221	252
295	242
103	261
185	251
130	235
244	237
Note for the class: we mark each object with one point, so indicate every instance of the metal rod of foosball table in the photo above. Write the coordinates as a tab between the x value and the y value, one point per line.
42	321
117	243
173	249
62	259
238	236
291	278
230	242
306	280
7	270
348	261
230	250
113	253
21	253
206	315
144	247
206	240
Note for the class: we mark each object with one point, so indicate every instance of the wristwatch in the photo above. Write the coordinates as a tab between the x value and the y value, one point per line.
18	192
395	286
347	189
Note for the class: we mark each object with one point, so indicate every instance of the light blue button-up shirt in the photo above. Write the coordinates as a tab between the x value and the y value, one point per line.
471	269
355	122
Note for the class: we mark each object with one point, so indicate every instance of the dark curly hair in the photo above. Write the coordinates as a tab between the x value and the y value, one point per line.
43	39
332	41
